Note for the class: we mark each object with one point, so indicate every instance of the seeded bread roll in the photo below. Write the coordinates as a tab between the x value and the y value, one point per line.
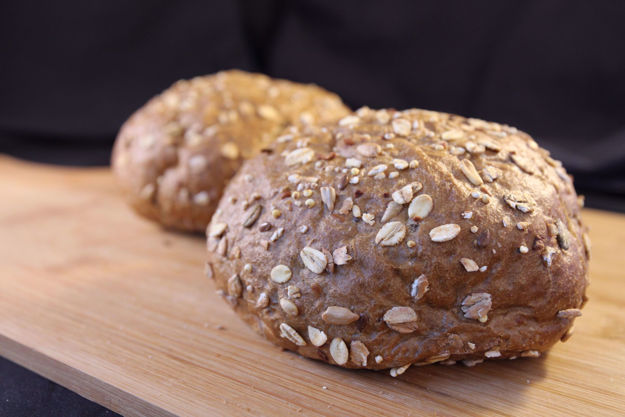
398	238
175	155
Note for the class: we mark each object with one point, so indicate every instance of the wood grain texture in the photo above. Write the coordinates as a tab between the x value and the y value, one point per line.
119	311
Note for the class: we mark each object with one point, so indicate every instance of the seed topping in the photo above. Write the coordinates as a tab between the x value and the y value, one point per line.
420	207
338	351
291	335
339	315
391	234
445	232
317	337
313	259
401	319
280	274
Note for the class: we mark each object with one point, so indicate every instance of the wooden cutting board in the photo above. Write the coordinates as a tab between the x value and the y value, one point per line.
116	309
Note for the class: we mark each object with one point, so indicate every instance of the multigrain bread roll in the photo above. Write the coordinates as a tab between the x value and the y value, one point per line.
398	238
175	155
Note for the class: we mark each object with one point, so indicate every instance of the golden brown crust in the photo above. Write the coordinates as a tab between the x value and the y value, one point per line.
491	263
174	156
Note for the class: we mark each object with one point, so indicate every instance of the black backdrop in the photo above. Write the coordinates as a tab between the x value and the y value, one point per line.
72	71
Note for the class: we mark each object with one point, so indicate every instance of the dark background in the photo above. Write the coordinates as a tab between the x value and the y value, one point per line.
72	71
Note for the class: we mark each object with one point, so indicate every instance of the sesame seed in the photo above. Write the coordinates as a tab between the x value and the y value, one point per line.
411	243
303	229
307	193
474	229
276	213
393	174
413	164
523	249
467	214
310	203
354	180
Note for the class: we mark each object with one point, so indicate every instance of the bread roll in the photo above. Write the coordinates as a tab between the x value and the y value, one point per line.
397	238
175	155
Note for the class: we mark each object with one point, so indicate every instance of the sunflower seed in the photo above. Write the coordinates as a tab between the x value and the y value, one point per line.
293	292
469	363
469	171
277	234
268	112
492	354
349	120
347	205
253	216
569	313
401	319
299	156
420	207
525	164
368	218
401	127
358	353
340	256
313	259
328	196
234	286
564	237
368	149
280	274
377	170
400	164
291	334
339	315
262	301
392	210
353	163
147	192
395	372
548	256
391	234
453	134
338	351
433	359
476	306
222	247
289	307
445	232
217	229
530	354
587	243
404	194
490	174
317	337
469	264
419	287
